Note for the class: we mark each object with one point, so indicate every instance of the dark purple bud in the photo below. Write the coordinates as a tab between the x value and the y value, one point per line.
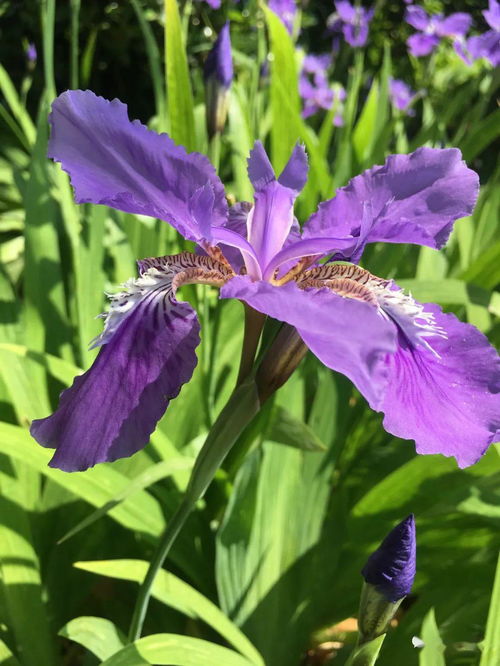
31	54
391	568
218	75
219	63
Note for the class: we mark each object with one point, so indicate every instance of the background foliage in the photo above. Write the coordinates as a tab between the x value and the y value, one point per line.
269	563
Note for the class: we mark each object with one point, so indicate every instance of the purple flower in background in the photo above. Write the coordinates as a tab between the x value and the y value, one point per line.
352	21
431	29
286	10
401	96
391	568
486	45
218	75
31	53
315	90
213	4
436	379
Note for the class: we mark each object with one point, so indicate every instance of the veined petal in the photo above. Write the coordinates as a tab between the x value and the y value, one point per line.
447	399
122	164
412	198
334	329
147	353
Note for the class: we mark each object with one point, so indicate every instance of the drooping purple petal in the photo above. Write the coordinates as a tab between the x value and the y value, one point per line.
417	17
355	35
486	46
122	164
147	353
392	567
413	198
334	329
454	25
448	399
421	44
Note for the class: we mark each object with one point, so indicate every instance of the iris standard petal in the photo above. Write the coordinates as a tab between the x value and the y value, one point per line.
334	329
448	399
412	198
270	221
417	17
110	411
345	10
122	164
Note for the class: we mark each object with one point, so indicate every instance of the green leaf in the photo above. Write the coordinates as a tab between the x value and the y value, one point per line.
432	652
179	95
174	592
18	110
491	644
96	486
284	91
364	132
21	585
286	429
147	478
6	656
97	634
481	135
175	650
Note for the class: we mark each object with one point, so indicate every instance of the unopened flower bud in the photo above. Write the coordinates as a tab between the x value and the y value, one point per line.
388	574
218	75
280	360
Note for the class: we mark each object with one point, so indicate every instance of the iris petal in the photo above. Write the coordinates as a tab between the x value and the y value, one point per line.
148	352
122	164
447	401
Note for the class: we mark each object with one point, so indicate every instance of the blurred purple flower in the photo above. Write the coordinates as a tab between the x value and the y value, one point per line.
486	45
352	21
213	4
401	96
286	10
218	75
436	379
315	90
431	29
391	568
31	53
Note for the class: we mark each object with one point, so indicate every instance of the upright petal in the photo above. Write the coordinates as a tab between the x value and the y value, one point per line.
447	399
334	329
417	17
492	15
412	198
345	10
147	353
271	219
122	164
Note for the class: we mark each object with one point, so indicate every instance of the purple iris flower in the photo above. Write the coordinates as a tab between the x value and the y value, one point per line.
352	21
436	379
486	45
431	29
391	568
286	10
315	90
213	4
401	96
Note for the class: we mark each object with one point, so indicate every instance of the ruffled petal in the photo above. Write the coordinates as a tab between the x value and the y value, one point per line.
446	397
412	198
147	353
122	164
334	329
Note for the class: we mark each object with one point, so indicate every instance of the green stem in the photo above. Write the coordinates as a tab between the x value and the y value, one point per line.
254	322
238	412
214	150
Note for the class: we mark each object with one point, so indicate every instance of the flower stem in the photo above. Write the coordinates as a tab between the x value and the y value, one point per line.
238	412
254	321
